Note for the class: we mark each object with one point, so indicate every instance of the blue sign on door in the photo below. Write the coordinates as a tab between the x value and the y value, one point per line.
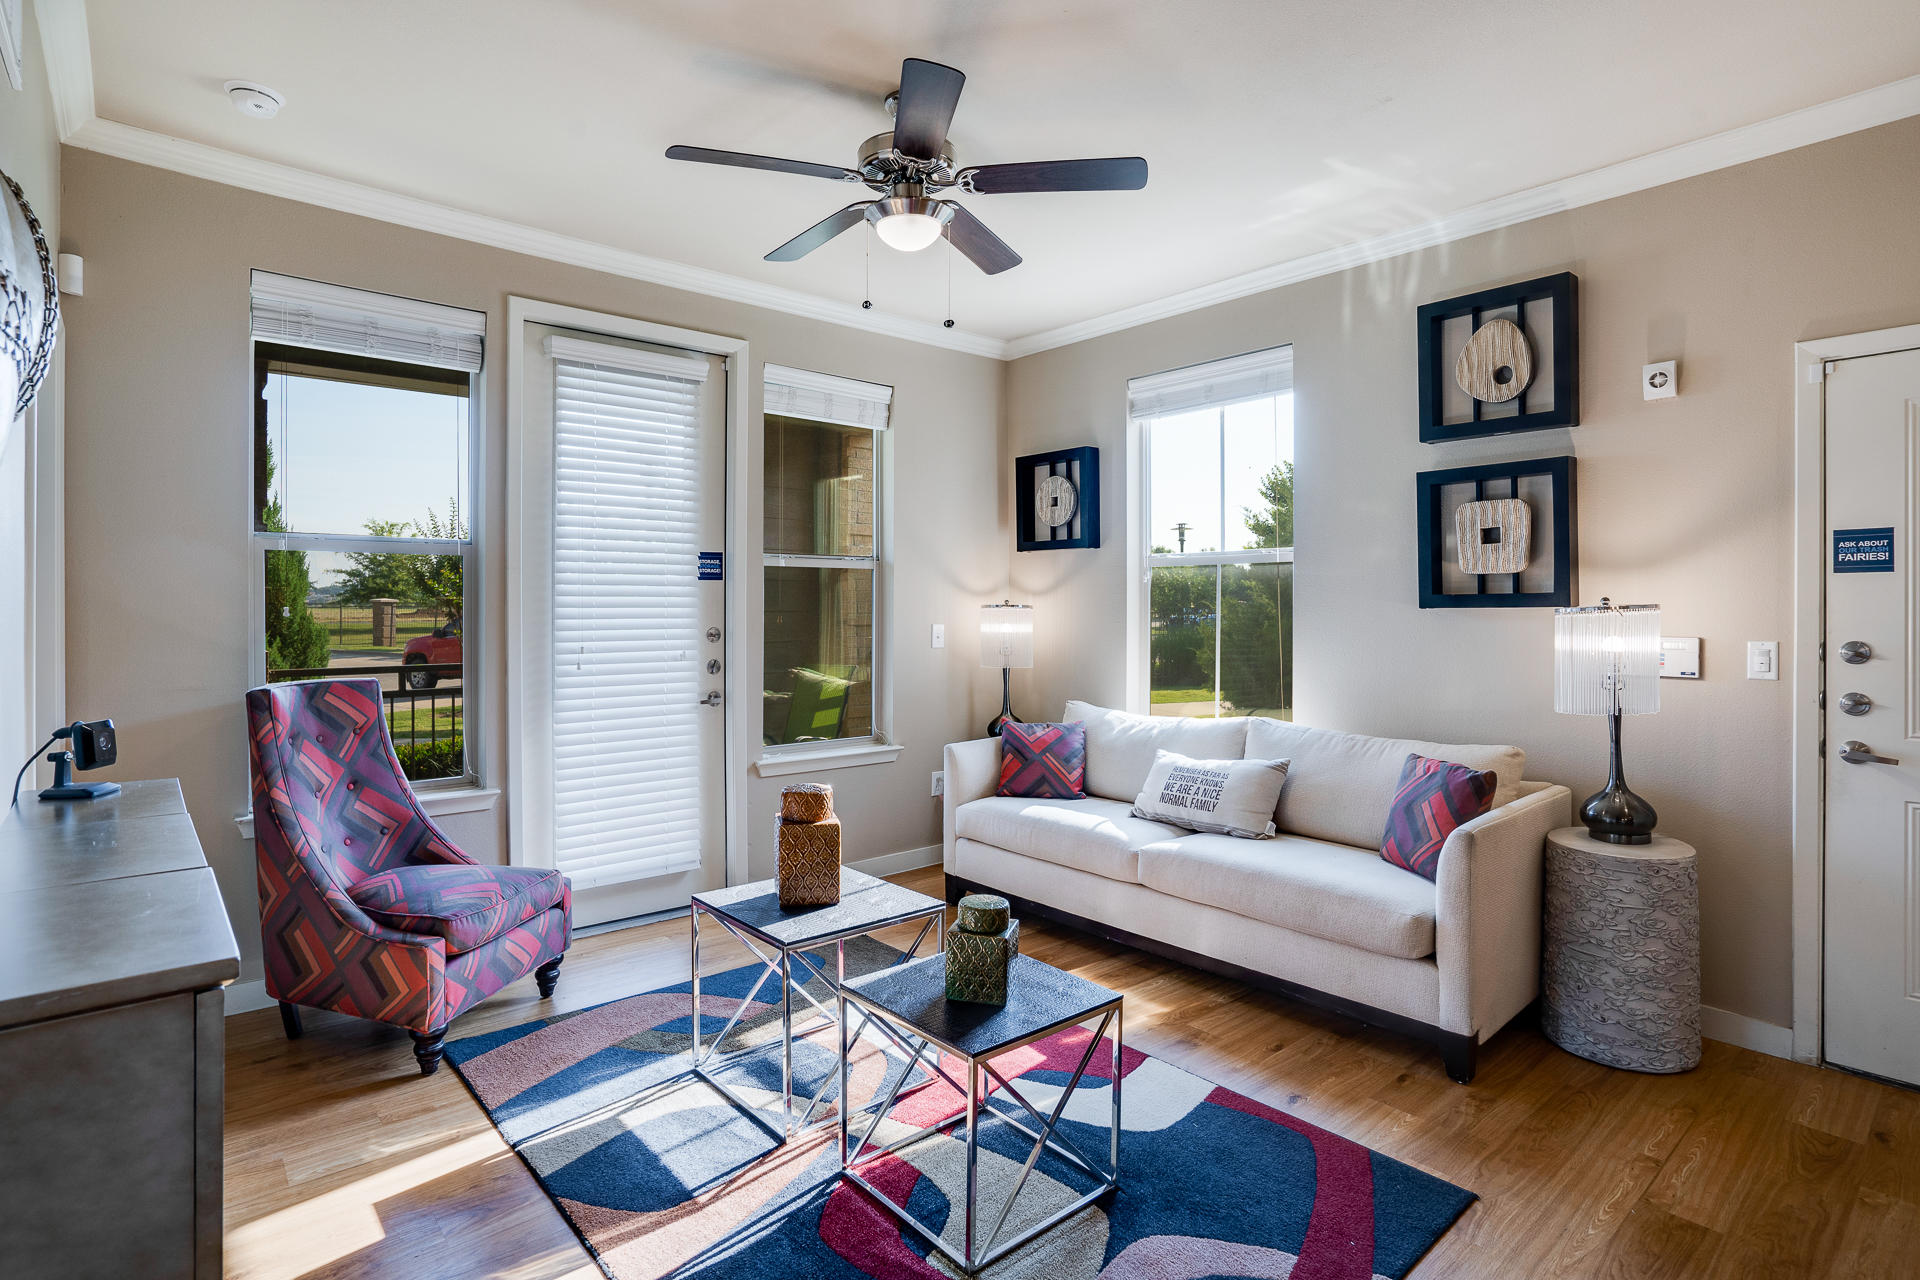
710	566
1863	550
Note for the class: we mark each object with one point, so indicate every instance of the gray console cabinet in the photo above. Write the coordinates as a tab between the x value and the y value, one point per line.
114	949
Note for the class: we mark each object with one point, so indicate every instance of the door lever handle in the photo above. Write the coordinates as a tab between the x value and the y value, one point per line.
1854	752
712	699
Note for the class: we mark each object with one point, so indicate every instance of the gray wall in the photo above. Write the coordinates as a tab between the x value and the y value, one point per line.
158	486
1684	502
30	155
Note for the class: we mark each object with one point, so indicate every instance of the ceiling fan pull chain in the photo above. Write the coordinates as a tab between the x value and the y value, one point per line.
947	235
866	295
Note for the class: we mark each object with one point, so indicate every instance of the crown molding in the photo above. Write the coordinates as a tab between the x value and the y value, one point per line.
268	178
69	56
1864	110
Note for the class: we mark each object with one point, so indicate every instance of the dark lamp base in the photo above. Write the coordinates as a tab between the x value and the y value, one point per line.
1618	816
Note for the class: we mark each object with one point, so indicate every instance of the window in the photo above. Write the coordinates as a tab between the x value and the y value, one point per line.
362	482
1217	554
823	545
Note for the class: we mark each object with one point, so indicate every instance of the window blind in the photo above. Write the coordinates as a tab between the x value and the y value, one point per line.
800	393
1253	376
626	613
310	314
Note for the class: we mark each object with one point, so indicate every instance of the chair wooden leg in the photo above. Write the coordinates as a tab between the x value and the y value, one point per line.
290	1020
547	976
428	1048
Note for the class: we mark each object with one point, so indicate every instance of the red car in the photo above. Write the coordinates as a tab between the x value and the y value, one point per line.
441	645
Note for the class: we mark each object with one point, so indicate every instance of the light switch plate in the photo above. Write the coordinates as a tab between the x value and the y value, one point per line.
1763	659
1680	657
939	635
1660	381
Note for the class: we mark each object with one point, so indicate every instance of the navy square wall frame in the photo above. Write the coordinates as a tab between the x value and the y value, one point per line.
1081	468
1560	292
1560	525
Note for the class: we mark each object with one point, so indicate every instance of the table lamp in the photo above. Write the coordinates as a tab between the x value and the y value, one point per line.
1006	642
1606	662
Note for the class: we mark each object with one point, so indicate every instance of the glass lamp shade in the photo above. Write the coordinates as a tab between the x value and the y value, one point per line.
1606	658
908	232
1006	635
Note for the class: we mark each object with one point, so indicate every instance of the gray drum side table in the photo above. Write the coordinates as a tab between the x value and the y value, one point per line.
1620	980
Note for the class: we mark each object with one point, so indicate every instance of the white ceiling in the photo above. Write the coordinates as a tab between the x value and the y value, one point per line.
1273	130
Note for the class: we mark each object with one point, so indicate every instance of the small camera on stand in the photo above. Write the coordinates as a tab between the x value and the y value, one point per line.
94	747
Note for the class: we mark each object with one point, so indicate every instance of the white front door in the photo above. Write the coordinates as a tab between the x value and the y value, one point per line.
1872	719
629	443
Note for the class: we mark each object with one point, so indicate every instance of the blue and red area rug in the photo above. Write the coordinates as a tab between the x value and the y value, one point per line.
662	1177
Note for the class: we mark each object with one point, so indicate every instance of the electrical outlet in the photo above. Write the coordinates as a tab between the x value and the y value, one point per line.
939	635
939	782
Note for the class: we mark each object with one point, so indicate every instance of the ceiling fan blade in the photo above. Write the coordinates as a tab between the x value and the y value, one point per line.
742	160
928	94
984	249
1118	173
820	232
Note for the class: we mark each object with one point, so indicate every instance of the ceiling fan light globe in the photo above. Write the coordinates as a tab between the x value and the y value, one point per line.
908	232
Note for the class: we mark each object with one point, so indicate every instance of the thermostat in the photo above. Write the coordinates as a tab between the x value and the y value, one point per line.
1680	657
1660	381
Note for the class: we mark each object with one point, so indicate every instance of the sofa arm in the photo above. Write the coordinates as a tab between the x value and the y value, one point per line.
1487	926
973	772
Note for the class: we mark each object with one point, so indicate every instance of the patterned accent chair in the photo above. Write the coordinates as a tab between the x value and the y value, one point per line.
366	908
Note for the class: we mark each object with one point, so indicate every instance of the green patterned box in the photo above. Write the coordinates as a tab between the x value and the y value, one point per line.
977	963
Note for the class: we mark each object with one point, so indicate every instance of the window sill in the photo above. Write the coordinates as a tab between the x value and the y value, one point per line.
437	804
813	759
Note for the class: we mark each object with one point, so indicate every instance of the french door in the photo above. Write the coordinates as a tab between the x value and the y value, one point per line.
623	468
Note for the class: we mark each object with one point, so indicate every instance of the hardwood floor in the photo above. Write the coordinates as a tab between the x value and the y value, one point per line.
343	1161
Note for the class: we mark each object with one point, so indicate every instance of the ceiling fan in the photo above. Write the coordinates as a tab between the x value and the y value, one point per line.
912	161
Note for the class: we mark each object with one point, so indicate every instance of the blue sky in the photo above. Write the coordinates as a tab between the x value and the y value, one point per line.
1186	470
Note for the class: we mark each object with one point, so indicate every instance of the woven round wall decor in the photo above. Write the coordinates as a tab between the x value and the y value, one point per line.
29	304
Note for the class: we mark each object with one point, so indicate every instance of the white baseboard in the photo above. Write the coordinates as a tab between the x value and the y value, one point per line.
1748	1033
245	997
892	864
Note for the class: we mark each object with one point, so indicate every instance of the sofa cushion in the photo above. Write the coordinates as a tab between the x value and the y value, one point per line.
1232	797
1340	785
1331	891
1043	761
1121	747
1434	798
1095	835
467	905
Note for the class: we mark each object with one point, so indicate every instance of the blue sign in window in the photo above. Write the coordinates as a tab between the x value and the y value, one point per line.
1863	550
710	566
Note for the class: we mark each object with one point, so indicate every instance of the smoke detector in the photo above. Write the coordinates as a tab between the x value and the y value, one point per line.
256	100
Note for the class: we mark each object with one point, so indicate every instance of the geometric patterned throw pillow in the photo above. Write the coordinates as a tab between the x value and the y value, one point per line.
1433	798
1043	761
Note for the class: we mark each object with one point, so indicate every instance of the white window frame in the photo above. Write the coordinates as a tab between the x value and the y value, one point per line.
1215	385
841	402
430	320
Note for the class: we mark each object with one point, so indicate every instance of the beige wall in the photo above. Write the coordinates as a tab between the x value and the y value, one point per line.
1682	502
158	487
30	155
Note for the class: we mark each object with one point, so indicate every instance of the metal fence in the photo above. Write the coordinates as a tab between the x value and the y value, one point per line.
406	708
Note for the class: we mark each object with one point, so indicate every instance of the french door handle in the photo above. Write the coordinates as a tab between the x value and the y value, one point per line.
1855	752
712	699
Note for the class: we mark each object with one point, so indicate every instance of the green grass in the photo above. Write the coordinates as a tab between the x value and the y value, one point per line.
1183	695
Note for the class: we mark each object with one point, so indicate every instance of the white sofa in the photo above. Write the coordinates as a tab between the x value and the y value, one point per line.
1314	912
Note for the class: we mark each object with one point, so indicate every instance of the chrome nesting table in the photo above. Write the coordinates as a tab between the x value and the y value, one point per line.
782	941
909	1003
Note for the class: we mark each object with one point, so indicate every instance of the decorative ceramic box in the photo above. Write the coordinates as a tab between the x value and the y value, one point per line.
809	848
980	947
